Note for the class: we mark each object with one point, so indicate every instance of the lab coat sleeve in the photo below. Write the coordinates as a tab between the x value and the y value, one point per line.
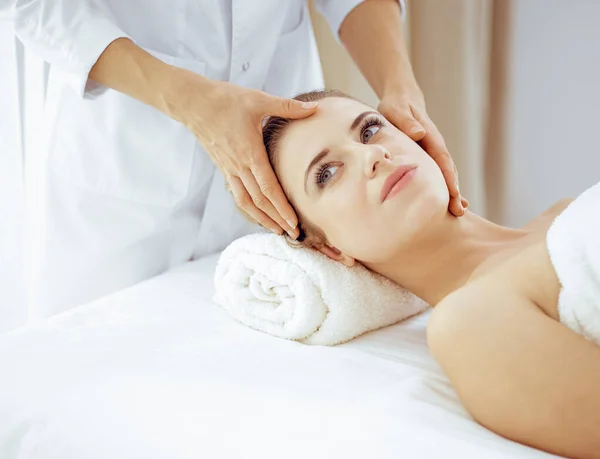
335	11
68	34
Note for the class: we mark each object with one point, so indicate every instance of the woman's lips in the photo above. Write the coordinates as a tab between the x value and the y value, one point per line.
396	181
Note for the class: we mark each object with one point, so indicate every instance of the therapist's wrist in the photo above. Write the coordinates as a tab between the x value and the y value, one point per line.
182	93
401	83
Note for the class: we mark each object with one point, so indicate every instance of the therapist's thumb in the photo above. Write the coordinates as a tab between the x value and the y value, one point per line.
290	108
412	128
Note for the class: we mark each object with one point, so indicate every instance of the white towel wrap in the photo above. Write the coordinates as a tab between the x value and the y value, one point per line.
573	243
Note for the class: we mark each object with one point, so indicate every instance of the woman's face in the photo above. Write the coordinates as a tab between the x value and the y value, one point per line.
337	167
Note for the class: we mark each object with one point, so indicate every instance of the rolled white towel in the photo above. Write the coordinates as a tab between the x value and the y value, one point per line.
300	294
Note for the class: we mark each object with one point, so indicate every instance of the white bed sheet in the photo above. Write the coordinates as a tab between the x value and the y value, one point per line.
159	371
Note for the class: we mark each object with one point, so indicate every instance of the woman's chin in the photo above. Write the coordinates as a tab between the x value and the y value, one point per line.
425	206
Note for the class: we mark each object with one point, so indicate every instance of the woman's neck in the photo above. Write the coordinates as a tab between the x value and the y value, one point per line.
447	257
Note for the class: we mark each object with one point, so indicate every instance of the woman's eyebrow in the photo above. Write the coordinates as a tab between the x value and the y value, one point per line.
360	117
314	161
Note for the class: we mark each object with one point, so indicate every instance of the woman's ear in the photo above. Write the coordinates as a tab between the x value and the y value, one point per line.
335	254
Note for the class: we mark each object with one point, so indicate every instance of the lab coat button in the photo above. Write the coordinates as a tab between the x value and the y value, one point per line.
245	66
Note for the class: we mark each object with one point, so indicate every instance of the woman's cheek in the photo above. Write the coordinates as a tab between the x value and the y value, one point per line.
353	204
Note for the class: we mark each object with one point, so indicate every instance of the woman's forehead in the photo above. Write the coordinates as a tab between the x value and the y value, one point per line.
333	117
337	106
333	111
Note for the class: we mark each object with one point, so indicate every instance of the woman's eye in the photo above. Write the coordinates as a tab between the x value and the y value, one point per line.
369	132
325	174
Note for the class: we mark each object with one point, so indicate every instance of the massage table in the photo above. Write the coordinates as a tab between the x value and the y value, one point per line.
159	371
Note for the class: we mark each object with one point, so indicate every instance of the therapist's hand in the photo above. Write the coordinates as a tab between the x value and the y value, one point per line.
227	121
406	110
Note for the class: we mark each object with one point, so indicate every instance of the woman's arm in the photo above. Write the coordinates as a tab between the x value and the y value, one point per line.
520	373
372	34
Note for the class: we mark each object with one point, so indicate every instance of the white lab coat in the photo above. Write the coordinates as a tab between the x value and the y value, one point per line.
124	192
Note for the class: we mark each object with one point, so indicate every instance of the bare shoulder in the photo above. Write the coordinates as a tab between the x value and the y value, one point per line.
513	368
467	306
467	311
526	280
525	285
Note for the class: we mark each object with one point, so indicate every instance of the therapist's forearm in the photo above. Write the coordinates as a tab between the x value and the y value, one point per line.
372	34
125	67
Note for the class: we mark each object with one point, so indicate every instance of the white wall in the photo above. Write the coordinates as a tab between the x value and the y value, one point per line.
554	123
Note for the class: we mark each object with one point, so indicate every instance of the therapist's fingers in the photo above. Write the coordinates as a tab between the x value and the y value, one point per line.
227	121
244	201
289	108
433	143
264	203
403	119
269	197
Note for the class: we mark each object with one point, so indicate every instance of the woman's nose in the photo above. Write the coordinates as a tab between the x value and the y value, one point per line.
376	156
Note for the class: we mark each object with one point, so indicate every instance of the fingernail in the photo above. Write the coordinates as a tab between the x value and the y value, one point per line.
292	224
416	129
292	234
309	105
